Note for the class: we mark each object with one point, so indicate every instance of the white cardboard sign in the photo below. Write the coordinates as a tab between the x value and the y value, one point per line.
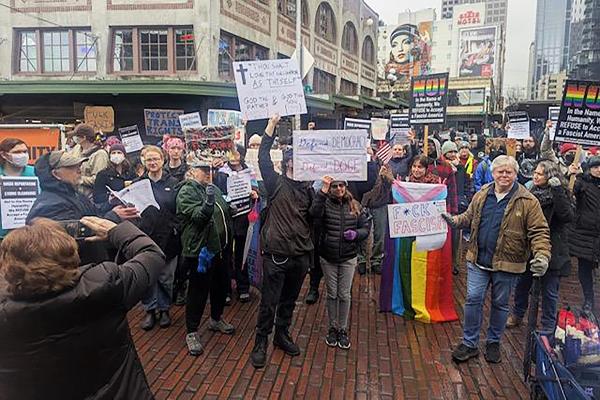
417	219
518	125
131	139
239	185
269	87
190	121
17	195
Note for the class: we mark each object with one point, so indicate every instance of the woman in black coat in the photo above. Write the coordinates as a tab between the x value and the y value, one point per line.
585	238
115	176
550	190
63	329
343	226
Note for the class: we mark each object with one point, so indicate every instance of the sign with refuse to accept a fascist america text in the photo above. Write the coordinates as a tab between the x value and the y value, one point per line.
269	87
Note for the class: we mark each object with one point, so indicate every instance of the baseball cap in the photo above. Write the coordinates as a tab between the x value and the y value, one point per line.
62	159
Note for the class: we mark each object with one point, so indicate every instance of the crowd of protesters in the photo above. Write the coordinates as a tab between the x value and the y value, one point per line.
516	217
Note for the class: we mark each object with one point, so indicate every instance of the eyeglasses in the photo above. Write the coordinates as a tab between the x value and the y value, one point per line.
338	185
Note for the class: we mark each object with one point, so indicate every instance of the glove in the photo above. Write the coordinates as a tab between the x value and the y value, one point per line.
554	182
449	219
538	266
350	235
210	194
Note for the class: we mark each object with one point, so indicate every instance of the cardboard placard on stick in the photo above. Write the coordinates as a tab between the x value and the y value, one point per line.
210	142
509	144
579	119
100	118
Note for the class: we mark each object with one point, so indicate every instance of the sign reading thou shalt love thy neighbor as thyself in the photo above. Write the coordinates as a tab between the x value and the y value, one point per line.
579	119
340	154
269	87
429	99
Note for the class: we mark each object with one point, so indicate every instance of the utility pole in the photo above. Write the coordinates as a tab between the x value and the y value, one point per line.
299	55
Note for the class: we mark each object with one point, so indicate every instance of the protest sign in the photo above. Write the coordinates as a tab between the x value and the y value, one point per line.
510	145
352	123
579	119
229	118
163	122
100	118
269	87
341	154
417	219
239	187
210	141
429	99
553	113
399	129
17	195
139	194
379	128
252	160
190	121
131	139
518	125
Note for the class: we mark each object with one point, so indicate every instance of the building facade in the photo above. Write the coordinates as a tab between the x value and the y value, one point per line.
551	86
584	55
551	46
139	47
496	11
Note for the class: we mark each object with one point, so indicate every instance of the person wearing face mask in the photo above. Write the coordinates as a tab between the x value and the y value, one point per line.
96	158
59	173
205	236
115	176
14	156
483	173
175	148
286	245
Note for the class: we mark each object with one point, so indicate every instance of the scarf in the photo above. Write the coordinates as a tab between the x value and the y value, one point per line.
543	194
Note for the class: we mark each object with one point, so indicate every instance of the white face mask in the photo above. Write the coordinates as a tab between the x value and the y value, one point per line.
76	139
19	159
117	158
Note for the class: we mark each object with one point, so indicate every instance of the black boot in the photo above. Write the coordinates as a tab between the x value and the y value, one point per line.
258	357
312	296
181	294
362	269
283	340
164	319
149	321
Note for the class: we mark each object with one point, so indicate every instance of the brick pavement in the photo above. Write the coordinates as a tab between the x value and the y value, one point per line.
390	358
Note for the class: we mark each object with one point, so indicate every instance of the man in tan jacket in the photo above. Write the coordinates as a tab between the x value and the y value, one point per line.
508	228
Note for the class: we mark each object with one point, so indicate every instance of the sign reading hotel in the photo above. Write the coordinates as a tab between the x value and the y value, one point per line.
579	119
338	153
470	17
429	99
417	219
269	87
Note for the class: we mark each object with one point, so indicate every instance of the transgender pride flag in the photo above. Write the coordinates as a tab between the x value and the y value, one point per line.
417	283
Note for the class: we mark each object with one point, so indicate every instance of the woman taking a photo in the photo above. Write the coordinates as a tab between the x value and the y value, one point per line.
63	328
343	227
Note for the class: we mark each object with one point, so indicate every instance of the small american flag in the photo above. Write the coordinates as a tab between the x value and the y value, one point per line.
385	152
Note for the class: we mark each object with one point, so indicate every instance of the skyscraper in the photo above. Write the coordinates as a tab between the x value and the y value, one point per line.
495	10
584	49
551	46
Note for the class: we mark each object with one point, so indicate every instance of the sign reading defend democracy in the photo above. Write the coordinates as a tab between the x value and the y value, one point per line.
163	122
340	154
429	99
417	219
269	87
579	119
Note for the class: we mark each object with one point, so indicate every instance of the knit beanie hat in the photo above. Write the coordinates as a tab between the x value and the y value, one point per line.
449	146
594	162
118	147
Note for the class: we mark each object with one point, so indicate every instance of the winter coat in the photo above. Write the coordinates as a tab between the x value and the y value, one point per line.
483	174
444	170
400	166
286	230
546	152
464	188
76	344
585	237
359	188
98	160
523	230
60	201
202	225
178	172
559	213
114	180
333	216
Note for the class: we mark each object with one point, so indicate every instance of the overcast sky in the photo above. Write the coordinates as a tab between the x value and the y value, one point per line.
519	35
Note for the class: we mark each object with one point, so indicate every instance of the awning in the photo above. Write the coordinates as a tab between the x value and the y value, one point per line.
347	101
371	101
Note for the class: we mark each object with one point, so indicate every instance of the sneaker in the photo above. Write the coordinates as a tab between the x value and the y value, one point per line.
228	300
463	353
244	297
362	269
221	326
258	357
193	344
312	297
283	340
332	337
164	320
343	340
492	353
513	322
149	322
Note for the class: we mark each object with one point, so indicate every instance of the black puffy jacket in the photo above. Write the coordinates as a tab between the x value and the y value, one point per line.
334	217
76	344
585	237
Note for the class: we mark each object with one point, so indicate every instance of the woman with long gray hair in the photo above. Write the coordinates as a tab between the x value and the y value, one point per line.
550	188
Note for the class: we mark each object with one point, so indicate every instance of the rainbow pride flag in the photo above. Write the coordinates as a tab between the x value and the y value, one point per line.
414	283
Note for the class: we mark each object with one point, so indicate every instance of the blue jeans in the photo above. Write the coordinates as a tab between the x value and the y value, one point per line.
158	297
478	281
549	299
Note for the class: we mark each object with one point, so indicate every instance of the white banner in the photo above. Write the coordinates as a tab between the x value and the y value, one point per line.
338	153
269	87
417	219
17	195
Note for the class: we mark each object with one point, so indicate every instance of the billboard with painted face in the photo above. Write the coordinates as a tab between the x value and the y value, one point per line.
406	52
477	54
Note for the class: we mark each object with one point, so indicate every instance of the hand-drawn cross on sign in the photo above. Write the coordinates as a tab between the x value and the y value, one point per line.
242	72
